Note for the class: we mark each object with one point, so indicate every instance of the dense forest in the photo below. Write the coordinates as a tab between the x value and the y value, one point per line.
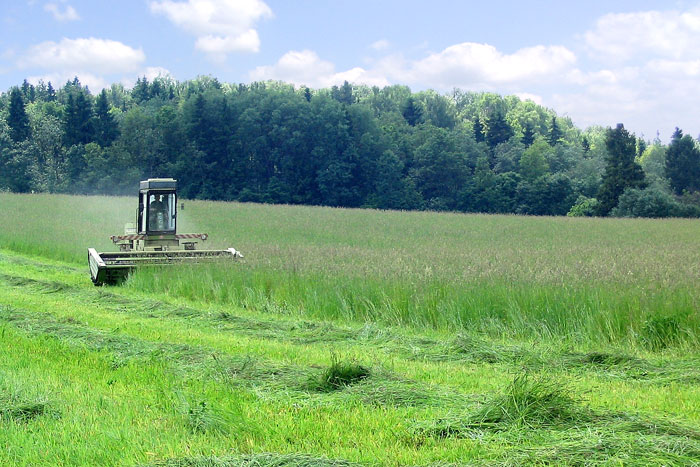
349	146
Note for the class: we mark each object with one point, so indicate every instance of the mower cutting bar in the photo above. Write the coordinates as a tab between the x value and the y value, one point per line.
110	268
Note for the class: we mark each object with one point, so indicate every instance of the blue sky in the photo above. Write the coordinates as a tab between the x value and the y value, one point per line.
599	62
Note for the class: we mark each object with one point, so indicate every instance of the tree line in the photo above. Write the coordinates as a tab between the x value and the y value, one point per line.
345	146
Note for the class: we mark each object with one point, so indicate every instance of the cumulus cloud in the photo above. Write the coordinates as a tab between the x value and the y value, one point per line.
306	67
649	76
466	65
68	13
526	96
220	26
90	55
482	65
626	36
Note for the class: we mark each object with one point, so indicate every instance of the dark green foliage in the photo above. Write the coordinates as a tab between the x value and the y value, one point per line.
106	129
528	136
412	112
140	91
479	136
651	202
585	144
17	118
497	129
78	119
683	163
343	94
622	171
555	133
50	93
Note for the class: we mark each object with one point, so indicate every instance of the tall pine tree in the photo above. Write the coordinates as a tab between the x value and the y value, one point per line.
412	111
683	163
77	119
17	118
621	171
106	129
498	130
528	136
555	133
479	136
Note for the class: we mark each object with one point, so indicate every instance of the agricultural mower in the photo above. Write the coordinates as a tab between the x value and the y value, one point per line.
153	240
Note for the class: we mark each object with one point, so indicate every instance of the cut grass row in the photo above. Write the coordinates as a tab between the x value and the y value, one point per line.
156	379
31	276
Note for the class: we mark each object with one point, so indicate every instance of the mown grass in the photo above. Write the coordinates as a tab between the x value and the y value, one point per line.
203	385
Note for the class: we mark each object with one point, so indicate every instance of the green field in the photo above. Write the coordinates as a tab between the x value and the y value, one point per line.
350	336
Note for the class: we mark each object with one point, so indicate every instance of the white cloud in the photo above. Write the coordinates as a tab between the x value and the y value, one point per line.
526	96
220	26
153	72
472	65
306	67
380	45
89	55
626	36
68	13
218	46
466	65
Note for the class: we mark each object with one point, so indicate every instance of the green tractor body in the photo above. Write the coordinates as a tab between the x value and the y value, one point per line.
153	240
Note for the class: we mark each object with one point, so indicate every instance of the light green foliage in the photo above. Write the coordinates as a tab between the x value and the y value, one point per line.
653	161
350	337
533	163
584	207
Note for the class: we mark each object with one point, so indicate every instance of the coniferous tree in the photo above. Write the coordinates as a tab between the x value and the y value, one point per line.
555	133
585	144
683	163
50	93
528	136
641	147
140	91
343	94
498	130
479	136
17	117
621	171
412	112
25	89
77	120
106	129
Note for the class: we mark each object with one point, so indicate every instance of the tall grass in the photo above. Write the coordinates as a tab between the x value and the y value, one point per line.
580	313
620	281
